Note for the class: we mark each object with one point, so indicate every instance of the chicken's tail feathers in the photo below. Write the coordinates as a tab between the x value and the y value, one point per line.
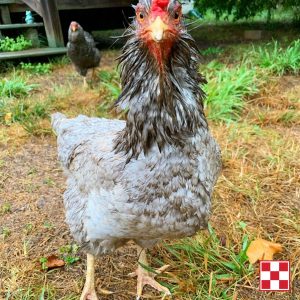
56	120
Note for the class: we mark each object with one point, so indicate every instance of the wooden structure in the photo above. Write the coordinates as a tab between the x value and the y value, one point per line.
49	11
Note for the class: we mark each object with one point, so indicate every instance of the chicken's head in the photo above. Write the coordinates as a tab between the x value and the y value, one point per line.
75	32
159	24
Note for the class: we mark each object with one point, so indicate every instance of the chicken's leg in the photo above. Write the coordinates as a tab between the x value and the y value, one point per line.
145	277
94	77
85	85
89	292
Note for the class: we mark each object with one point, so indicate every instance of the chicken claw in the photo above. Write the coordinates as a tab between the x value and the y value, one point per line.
146	277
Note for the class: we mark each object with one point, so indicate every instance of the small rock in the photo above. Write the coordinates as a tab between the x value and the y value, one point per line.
41	203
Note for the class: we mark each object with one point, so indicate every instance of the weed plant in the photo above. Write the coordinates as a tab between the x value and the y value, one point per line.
9	44
39	68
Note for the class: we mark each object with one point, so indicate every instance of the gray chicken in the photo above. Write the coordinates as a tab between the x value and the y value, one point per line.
150	177
82	51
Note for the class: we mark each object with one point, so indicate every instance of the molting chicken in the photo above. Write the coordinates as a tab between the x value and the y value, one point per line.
150	177
82	51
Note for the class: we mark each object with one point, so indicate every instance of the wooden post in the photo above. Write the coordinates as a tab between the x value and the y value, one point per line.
5	15
52	24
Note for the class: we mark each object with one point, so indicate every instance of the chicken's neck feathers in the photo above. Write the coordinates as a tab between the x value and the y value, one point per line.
164	107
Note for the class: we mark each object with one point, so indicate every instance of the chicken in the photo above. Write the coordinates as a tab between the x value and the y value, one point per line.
150	177
82	50
188	9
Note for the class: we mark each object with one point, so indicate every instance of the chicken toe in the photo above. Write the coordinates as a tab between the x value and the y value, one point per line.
145	277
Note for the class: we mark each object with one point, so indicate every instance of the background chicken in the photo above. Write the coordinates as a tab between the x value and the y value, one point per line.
151	177
82	50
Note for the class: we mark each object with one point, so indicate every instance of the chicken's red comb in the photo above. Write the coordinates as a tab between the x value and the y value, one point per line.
159	6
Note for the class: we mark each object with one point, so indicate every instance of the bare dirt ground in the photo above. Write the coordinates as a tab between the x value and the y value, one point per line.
260	185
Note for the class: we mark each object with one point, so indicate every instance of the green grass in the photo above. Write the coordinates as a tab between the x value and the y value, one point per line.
110	81
214	268
277	59
5	208
14	87
110	89
17	44
211	51
36	293
227	88
26	112
229	85
22	109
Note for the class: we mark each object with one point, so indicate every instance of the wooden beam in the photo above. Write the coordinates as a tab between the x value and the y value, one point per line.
19	6
20	25
8	1
88	4
34	5
52	24
32	53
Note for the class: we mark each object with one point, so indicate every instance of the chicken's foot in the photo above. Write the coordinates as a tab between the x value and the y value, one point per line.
89	292
146	277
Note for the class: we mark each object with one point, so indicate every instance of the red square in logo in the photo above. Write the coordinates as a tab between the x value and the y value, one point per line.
274	276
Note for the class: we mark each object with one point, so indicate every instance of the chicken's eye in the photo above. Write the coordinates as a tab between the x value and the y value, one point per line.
177	16
140	16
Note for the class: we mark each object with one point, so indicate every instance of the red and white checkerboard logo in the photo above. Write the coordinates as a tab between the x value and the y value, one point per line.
274	275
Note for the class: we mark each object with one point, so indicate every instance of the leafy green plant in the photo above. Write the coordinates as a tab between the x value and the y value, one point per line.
43	261
276	59
18	44
227	88
69	253
39	68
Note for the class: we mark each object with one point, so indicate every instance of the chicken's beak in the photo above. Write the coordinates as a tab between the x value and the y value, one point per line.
74	27
157	29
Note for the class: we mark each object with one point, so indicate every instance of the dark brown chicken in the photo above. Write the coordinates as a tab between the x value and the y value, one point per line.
82	50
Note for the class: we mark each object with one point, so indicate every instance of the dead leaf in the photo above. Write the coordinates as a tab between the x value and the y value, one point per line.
54	262
262	250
